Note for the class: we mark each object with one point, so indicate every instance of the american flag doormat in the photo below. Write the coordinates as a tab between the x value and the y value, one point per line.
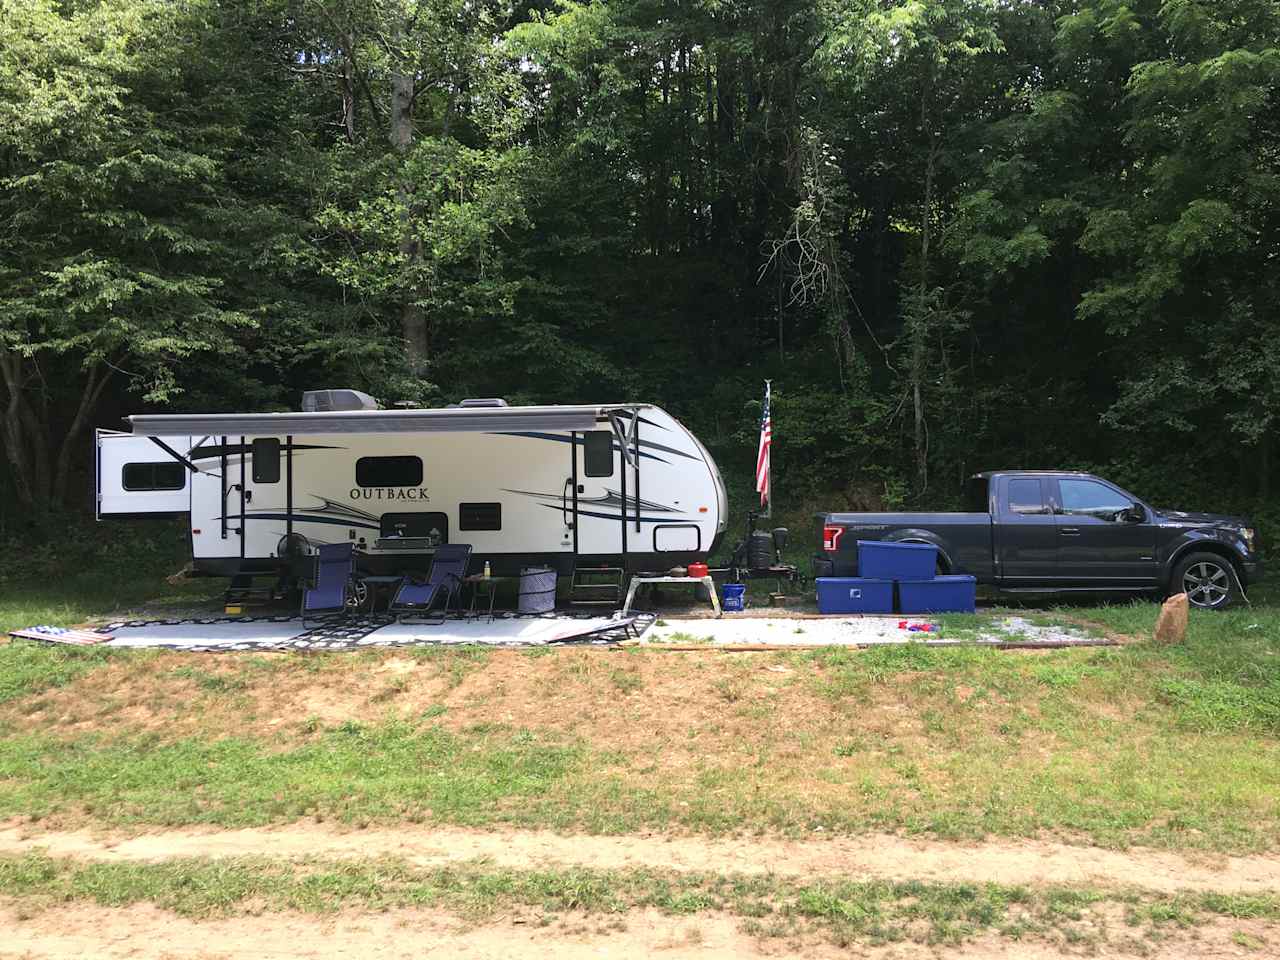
79	638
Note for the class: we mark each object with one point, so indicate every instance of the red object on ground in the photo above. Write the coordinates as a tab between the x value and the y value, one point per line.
697	569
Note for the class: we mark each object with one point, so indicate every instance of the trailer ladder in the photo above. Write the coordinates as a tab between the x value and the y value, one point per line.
597	586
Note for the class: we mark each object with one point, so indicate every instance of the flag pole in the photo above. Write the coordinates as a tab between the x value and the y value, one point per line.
768	399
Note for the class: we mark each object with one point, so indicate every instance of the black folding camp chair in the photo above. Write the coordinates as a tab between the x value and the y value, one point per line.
335	565
444	581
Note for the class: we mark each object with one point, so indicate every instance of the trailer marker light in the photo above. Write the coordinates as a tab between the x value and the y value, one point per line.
831	538
195	532
702	509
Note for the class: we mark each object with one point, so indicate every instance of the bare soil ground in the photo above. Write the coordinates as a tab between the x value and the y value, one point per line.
1026	862
787	715
737	703
145	933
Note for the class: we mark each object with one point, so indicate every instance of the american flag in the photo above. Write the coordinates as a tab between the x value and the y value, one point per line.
762	457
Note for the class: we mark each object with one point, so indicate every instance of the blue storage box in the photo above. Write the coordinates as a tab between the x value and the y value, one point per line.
954	594
854	595
896	561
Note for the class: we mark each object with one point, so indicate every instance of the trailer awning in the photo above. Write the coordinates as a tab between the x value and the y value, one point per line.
451	420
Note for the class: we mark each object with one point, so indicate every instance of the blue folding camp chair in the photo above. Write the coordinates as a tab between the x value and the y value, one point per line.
335	565
448	567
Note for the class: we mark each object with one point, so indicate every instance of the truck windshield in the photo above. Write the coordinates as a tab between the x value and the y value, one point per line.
975	495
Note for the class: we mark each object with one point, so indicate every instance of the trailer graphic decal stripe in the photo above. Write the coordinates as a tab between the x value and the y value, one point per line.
232	449
308	518
581	441
612	516
612	498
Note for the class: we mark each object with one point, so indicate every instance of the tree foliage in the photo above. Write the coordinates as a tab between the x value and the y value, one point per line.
958	234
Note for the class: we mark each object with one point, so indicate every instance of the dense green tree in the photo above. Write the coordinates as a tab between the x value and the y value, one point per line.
108	160
957	234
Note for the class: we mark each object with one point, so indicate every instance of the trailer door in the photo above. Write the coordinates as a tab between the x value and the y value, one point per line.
601	499
136	476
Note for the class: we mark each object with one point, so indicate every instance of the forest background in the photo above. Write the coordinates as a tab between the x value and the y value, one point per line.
956	234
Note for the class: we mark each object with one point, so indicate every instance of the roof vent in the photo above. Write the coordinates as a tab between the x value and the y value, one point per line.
323	401
484	402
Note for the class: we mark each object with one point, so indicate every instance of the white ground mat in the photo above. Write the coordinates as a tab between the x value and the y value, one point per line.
290	633
862	631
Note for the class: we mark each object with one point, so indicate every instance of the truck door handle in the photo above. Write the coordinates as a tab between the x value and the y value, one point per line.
1069	531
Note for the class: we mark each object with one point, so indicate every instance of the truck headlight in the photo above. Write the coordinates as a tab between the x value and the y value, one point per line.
1247	534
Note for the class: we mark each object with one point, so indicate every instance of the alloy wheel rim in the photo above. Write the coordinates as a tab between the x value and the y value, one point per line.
1206	584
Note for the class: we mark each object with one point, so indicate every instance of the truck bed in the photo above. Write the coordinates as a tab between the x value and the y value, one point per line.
968	538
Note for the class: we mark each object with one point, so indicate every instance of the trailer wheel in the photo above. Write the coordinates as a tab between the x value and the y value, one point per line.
1207	579
357	595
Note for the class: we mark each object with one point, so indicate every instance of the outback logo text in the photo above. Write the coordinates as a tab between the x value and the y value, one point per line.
390	493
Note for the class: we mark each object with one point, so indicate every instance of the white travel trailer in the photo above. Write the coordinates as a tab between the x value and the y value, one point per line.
622	485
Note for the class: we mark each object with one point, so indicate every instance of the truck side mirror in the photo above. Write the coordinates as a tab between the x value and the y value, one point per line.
1134	513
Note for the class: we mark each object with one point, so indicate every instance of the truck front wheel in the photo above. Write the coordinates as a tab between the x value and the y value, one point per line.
1207	579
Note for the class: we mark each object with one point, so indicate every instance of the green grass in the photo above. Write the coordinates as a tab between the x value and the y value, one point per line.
106	594
844	911
1171	746
351	772
29	668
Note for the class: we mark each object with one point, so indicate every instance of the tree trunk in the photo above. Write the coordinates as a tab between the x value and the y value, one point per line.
413	322
89	396
920	315
1264	467
15	440
348	92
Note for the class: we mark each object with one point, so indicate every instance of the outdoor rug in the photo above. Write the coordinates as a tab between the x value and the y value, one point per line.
349	633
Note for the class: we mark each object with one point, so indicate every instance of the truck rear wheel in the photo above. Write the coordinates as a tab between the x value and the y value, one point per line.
1207	579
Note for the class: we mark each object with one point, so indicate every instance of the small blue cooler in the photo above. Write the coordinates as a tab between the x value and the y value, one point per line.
733	597
854	595
897	561
954	594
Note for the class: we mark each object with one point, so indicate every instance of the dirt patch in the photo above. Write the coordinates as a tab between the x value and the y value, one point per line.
146	933
1028	862
1101	628
686	718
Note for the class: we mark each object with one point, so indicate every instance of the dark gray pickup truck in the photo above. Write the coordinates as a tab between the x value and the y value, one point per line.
1046	532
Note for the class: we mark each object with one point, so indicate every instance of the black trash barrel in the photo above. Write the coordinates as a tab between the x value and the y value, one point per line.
760	551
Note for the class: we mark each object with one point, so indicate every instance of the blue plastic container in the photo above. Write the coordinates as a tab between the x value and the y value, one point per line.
896	561
854	595
733	597
953	594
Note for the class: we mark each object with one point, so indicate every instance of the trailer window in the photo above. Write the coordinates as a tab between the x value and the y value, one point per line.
153	476
266	460
1026	496
597	454
389	472
479	516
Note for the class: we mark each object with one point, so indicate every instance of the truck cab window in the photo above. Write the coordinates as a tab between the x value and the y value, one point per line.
1026	495
975	495
1090	498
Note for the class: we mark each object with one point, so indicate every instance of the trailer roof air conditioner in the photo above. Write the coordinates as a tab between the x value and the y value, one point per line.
324	401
